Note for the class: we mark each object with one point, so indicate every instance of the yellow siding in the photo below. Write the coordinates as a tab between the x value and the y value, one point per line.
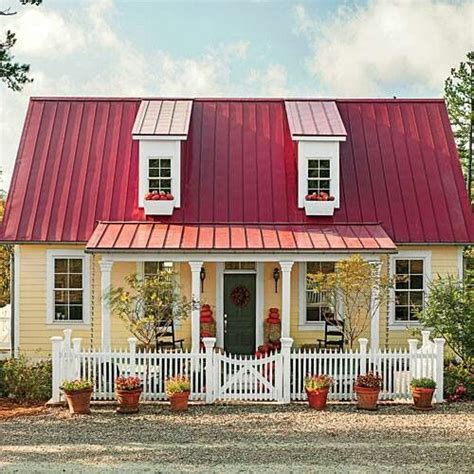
35	334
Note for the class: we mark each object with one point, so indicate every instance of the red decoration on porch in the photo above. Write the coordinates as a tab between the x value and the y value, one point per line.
240	296
207	323
274	316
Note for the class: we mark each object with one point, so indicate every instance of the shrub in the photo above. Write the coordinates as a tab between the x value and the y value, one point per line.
177	384
3	389
24	379
458	382
369	380
128	383
317	382
423	383
76	385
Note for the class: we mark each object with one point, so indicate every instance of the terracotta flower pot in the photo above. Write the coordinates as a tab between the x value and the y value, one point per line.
179	401
367	397
79	401
422	398
128	400
317	398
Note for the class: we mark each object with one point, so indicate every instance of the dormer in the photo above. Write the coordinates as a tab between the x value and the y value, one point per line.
317	128
160	127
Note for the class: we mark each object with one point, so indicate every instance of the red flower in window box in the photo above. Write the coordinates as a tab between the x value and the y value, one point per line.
158	196
322	196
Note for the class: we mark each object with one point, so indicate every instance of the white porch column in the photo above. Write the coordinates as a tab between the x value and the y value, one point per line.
105	282
196	296
285	297
375	311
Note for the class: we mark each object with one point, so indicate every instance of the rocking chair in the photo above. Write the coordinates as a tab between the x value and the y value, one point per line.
333	333
167	338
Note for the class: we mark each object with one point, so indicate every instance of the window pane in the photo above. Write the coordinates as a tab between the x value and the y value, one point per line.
324	164
60	265
413	313
165	163
154	163
401	313
416	298
416	282
401	267
416	266
75	312
165	173
165	183
60	297
401	298
312	173
247	265
75	297
324	174
60	281
60	313
154	183
75	265
324	184
75	281
313	164
313	314
401	282
154	173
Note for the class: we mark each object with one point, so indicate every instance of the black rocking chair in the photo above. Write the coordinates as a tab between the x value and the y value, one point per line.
167	338
333	333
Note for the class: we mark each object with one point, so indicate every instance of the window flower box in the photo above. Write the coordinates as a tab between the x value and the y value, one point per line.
319	204
159	204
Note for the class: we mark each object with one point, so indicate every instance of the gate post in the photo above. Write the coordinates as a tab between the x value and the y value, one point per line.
412	345
76	349
209	343
439	374
56	343
132	347
363	355
286	343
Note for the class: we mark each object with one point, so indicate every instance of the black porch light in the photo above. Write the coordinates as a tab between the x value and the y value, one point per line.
276	277
202	277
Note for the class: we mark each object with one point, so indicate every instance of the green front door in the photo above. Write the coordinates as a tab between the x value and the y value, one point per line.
239	313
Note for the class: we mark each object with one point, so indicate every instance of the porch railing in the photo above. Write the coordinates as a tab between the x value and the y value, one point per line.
215	375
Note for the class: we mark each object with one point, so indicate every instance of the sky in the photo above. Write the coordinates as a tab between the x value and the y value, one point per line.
253	48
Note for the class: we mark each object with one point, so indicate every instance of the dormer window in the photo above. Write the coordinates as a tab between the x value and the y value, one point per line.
159	175
160	127
319	176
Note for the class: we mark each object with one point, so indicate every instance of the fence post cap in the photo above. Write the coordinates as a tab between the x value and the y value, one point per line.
363	340
55	338
439	340
209	341
132	340
77	339
286	341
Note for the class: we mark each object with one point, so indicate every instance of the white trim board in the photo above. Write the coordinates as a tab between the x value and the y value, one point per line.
16	301
86	277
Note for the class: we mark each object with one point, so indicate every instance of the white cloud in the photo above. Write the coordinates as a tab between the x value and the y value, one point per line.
388	45
272	81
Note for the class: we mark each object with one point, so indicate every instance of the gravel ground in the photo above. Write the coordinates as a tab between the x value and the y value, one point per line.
242	438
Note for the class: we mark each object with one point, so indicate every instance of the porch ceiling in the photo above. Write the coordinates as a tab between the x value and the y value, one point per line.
143	236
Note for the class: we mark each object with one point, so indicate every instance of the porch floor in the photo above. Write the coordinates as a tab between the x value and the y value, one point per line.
242	438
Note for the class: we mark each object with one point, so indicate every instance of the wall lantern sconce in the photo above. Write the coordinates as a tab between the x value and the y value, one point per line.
276	277
202	277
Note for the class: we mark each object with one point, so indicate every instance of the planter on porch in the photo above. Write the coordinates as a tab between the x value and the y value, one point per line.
367	389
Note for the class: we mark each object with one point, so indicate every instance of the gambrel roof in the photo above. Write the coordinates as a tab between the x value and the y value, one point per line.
77	164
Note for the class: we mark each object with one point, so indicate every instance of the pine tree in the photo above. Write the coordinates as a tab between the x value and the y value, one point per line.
459	95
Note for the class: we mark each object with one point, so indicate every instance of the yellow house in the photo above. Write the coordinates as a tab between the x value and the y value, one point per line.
242	197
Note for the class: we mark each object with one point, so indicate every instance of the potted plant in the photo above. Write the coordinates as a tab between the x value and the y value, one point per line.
177	390
78	395
128	391
158	203
317	388
367	388
319	204
422	391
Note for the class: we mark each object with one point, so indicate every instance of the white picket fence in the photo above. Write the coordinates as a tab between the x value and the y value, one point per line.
218	376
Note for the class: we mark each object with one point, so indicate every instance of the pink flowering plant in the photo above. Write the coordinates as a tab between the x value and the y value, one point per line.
177	384
313	383
128	383
369	380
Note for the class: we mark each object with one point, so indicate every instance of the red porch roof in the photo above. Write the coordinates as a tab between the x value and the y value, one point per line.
77	164
141	236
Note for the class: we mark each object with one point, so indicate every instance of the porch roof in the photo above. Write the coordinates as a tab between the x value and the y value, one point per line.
143	236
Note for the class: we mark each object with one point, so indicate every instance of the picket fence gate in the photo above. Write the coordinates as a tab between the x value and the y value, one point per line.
219	376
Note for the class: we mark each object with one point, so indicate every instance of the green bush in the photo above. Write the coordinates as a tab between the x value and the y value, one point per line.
3	390
423	383
458	382
24	379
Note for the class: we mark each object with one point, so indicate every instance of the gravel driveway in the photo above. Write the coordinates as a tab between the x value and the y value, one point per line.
242	438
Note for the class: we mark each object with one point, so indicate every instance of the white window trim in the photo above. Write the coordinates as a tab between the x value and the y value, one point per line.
424	255
308	151
303	324
149	178
86	273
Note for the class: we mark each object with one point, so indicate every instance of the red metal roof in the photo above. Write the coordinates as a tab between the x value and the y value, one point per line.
314	118
77	164
139	236
163	117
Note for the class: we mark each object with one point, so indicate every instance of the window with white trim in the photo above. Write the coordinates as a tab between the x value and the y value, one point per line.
410	288
317	305
319	176
159	175
68	292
